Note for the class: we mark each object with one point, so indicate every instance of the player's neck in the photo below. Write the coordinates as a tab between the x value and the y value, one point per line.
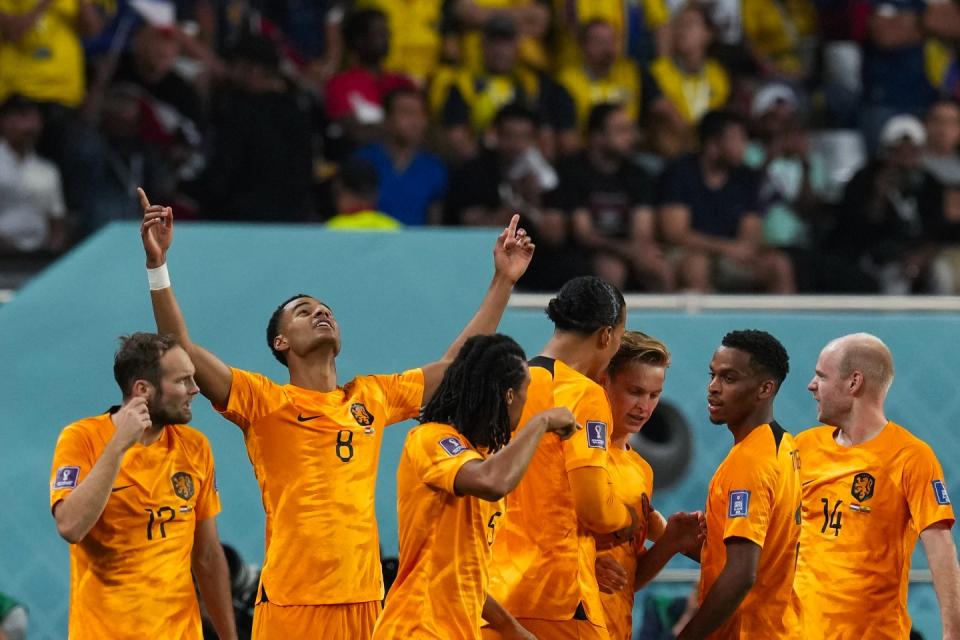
577	353
862	426
151	434
742	429
317	373
620	440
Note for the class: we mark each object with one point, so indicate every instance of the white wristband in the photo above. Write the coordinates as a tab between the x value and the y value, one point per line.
158	278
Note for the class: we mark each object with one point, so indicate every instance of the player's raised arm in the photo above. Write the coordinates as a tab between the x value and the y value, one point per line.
511	257
212	375
942	558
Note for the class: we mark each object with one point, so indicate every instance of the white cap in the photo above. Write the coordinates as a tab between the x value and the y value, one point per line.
767	97
161	14
903	126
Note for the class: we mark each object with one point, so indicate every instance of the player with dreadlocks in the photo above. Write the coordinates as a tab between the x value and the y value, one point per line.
455	470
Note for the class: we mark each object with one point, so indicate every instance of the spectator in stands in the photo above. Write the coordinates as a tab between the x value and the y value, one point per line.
355	190
608	200
603	76
532	18
642	28
261	167
354	97
897	65
891	211
41	57
32	211
511	176
780	36
467	101
13	619
941	157
106	160
416	35
413	181
709	213
312	31
684	86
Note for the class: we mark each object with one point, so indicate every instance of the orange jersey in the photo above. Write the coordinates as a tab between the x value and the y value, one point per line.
315	456
633	483
445	542
863	509
130	576
755	495
543	564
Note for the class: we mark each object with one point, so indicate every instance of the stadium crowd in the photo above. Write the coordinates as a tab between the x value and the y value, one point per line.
729	145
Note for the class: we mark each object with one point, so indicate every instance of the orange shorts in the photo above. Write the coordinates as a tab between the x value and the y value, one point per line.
353	621
556	630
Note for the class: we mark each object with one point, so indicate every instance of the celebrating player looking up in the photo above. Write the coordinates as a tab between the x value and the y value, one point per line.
315	444
543	560
870	487
133	491
455	470
633	383
749	558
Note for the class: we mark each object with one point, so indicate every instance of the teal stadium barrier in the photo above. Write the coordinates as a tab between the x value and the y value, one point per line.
400	299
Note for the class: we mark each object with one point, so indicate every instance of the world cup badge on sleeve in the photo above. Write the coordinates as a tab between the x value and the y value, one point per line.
940	491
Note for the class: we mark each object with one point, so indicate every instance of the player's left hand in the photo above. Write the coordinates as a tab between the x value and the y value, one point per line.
611	577
686	532
513	252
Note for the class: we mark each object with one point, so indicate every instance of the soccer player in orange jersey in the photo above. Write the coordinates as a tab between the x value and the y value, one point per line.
543	566
749	558
134	493
315	444
455	470
870	488
633	383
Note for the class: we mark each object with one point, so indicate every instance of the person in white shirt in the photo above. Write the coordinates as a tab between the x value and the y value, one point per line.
32	210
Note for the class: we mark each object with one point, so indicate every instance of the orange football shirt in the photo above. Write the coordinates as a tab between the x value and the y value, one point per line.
130	576
755	495
863	509
315	456
445	541
633	483
543	560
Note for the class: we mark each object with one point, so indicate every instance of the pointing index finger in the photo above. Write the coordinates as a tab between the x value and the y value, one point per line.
144	201
512	227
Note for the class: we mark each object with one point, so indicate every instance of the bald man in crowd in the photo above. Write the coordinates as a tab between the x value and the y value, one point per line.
870	488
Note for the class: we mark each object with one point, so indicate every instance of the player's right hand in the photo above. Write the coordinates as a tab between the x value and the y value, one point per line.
156	230
611	576
561	421
131	421
686	531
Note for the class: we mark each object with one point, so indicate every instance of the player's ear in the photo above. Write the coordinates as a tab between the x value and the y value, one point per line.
604	336
856	382
767	389
141	388
280	343
510	396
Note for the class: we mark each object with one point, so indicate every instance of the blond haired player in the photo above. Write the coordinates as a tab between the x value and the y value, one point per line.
870	488
634	383
315	444
133	491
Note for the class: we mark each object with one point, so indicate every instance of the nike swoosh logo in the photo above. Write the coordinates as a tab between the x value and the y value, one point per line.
303	418
126	486
803	484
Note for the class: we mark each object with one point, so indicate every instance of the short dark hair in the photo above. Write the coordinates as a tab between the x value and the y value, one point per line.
766	352
585	28
393	95
586	304
273	327
600	114
356	24
138	358
471	395
516	111
18	103
715	123
256	49
359	177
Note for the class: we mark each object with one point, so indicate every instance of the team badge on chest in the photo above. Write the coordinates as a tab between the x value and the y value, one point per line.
862	488
360	413
182	485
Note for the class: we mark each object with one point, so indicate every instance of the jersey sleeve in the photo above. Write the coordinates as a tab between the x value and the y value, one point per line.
252	396
403	393
749	487
437	455
925	490
208	500
588	447
73	458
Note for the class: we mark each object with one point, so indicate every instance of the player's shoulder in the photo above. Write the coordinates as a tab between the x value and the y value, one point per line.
814	435
903	444
367	381
88	427
433	435
640	462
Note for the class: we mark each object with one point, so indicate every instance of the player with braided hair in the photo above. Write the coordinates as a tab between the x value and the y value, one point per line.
543	567
455	469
